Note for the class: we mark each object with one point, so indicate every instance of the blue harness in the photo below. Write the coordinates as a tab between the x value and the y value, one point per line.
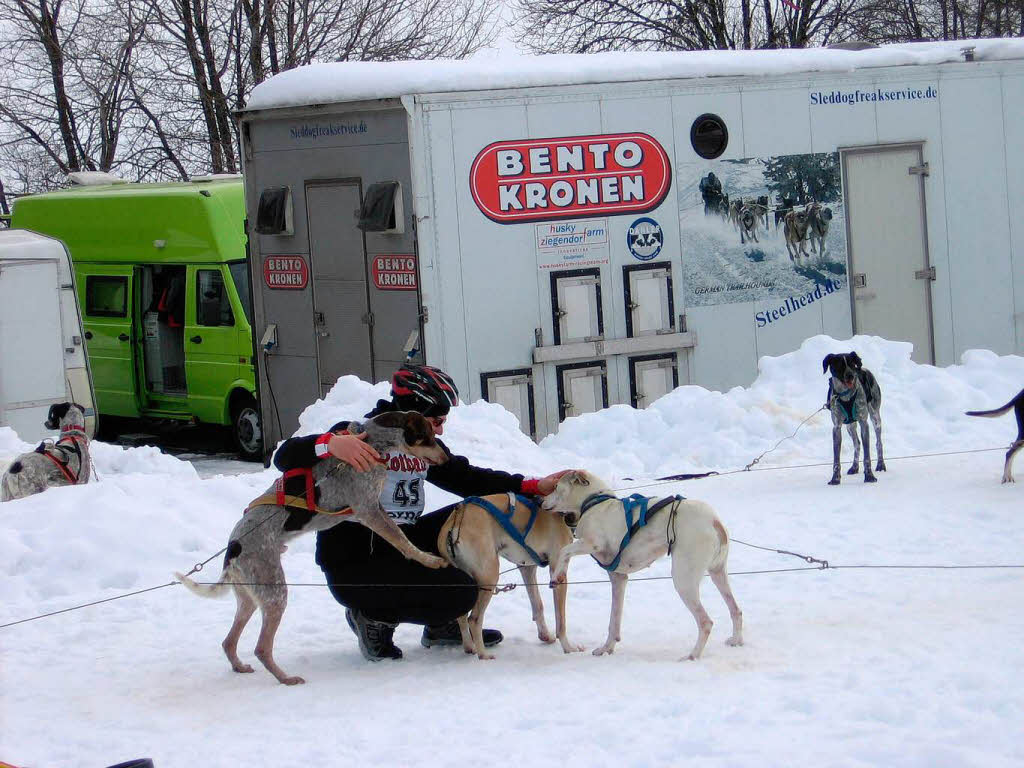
504	519
629	504
847	405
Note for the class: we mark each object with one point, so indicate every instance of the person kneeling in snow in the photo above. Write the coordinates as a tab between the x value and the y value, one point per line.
379	587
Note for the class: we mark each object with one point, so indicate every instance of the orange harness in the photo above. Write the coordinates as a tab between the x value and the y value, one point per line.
279	498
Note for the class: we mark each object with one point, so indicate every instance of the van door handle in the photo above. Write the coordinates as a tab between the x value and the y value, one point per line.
196	339
88	334
122	337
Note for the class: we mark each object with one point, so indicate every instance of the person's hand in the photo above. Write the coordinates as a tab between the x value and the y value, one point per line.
547	484
353	450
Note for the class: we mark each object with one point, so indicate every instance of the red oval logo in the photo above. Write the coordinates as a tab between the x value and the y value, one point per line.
570	177
288	272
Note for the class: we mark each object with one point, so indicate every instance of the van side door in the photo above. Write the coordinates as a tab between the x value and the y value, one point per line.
211	342
106	295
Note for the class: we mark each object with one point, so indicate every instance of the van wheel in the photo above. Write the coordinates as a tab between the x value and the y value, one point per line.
246	430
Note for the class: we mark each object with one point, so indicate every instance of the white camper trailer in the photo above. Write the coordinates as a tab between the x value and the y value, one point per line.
42	352
564	233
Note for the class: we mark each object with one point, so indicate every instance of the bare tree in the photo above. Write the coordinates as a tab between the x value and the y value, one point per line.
885	21
585	26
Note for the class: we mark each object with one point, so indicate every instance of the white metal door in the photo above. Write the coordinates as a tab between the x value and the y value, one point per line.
577	306
649	301
652	378
512	392
889	270
582	389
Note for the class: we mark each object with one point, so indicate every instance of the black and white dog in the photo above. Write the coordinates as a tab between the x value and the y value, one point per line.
853	395
64	462
1018	409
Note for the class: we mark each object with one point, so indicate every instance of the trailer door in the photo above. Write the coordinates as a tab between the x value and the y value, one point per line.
341	311
106	295
31	344
890	275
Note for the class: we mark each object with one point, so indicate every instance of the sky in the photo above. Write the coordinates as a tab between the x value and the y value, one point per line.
904	652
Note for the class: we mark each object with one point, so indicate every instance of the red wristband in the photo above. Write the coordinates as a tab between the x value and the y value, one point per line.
530	486
320	446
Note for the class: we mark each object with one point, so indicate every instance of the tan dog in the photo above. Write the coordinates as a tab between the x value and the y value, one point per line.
689	529
472	539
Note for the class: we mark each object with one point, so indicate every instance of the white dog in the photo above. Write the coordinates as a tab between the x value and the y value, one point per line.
612	530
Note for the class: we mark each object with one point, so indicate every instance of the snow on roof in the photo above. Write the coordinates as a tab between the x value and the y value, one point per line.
325	83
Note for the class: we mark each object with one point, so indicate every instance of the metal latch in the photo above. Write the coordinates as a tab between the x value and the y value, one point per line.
318	318
367	318
918	170
860	280
925	274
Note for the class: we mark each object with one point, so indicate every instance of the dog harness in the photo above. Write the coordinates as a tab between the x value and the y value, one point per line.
279	498
629	504
504	519
848	404
61	452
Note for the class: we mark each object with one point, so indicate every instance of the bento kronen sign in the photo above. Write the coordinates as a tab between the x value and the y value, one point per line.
530	180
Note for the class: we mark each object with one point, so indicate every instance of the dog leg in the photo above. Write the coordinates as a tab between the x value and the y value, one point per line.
615	620
578	547
855	467
529	574
720	578
378	521
837	444
488	575
1010	455
273	611
687	581
244	611
869	476
561	627
467	636
876	420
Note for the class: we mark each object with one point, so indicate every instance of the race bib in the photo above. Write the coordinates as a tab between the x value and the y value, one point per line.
402	496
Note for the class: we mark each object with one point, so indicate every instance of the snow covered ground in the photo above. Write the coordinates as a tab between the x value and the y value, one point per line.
852	666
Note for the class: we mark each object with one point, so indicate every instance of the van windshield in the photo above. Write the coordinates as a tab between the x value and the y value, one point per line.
240	275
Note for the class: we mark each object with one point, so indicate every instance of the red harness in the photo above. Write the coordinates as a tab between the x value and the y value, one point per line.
76	438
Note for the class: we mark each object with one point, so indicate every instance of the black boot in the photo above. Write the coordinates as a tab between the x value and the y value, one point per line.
449	634
374	637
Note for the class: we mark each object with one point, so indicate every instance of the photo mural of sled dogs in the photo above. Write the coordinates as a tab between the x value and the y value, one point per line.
727	264
514	527
1017	404
335	492
853	396
53	463
604	527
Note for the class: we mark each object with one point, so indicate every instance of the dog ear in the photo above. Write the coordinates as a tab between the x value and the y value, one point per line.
578	478
825	362
355	427
854	359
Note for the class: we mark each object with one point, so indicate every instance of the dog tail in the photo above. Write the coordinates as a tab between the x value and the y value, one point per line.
998	411
221	586
723	545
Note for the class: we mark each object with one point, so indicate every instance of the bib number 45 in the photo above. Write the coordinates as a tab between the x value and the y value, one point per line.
407	493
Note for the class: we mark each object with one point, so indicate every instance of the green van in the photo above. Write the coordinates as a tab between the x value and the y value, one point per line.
163	283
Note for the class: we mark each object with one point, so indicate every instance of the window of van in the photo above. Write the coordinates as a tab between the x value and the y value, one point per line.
240	274
212	304
106	296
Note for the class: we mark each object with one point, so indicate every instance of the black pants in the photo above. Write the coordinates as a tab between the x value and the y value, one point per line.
367	574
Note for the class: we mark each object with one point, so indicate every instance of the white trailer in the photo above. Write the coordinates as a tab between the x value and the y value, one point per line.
42	352
564	233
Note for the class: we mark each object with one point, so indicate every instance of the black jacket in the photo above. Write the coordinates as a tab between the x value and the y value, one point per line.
456	475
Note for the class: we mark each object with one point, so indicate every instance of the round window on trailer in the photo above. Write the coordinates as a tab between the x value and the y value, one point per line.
709	136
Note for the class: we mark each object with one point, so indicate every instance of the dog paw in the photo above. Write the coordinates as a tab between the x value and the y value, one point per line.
485	656
834	481
432	561
242	667
603	650
734	641
293	681
870	479
880	467
853	470
568	647
545	637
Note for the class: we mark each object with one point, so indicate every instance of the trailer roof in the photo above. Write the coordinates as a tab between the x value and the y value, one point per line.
327	83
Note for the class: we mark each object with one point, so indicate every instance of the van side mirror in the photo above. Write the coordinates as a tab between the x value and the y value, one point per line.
274	214
382	209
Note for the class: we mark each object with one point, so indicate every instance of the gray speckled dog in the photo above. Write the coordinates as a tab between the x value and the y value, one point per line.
252	564
853	396
51	464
